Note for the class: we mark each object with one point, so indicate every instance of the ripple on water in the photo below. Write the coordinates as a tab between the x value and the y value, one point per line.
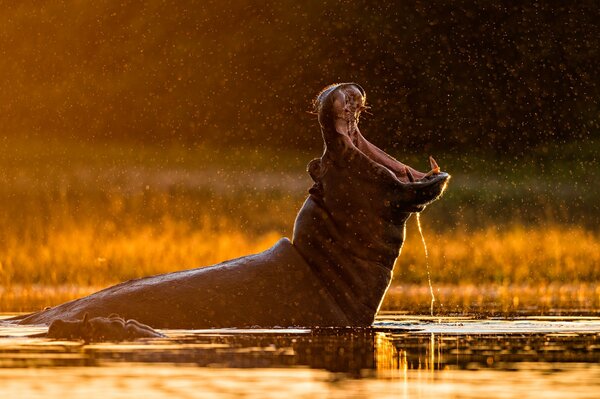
400	356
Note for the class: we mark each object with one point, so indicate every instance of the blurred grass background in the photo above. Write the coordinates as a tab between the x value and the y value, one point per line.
77	217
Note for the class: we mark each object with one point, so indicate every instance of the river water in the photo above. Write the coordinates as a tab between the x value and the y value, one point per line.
400	357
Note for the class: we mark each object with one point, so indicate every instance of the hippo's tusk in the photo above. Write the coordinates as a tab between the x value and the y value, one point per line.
409	174
435	169
434	166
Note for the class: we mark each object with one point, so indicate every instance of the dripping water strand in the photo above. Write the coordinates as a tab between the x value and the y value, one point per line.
426	261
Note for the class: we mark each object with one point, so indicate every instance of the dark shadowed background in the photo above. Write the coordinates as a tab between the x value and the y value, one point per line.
505	77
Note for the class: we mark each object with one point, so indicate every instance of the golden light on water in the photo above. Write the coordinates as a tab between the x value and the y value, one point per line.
386	354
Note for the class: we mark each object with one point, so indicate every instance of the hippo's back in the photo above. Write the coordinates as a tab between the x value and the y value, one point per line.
273	288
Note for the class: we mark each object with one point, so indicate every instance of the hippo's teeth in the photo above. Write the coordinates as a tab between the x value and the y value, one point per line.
427	174
435	169
409	174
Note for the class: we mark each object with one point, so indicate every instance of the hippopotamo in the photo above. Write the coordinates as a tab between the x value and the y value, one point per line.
333	273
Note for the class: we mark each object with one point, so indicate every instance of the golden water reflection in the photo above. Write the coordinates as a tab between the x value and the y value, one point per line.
391	360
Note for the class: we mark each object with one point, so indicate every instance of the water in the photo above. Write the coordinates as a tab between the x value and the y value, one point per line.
426	262
400	357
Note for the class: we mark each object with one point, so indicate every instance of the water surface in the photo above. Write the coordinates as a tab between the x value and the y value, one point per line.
401	356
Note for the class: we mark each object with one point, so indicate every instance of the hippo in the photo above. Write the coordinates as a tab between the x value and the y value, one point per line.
333	273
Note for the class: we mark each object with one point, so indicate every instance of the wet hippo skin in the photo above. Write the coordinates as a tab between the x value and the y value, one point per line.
334	272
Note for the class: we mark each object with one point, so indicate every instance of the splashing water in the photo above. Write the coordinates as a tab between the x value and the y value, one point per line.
426	261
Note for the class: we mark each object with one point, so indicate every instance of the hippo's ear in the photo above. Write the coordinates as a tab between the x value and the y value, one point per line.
315	169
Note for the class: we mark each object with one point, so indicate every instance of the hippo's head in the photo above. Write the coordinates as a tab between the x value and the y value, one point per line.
358	176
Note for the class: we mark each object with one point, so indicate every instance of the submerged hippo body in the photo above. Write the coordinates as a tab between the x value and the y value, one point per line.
98	329
334	272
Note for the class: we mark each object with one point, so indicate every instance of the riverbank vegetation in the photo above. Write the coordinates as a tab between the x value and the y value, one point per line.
77	217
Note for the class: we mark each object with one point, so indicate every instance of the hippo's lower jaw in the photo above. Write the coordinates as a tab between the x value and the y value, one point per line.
335	273
425	191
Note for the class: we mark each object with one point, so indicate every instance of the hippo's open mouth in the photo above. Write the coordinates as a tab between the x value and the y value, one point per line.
349	100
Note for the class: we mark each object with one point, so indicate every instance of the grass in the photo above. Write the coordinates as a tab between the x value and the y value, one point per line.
487	299
509	254
80	216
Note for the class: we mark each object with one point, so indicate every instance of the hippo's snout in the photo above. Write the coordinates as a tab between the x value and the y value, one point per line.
415	196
